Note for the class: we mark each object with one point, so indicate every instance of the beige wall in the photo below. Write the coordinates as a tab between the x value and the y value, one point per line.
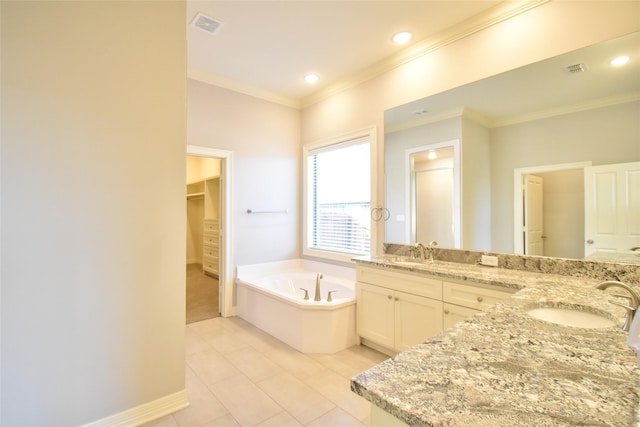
543	32
265	140
93	238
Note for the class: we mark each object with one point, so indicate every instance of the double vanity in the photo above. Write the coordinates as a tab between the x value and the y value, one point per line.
506	347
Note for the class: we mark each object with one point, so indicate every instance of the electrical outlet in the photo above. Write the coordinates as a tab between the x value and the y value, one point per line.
491	261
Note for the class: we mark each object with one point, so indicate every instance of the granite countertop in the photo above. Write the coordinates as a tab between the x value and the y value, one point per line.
502	367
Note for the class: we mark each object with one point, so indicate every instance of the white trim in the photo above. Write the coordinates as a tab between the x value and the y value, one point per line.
457	190
518	188
146	412
371	134
226	275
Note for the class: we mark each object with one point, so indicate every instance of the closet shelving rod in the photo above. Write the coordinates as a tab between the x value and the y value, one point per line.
251	211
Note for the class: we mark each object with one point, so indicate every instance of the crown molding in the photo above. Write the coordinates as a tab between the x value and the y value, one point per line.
236	86
566	109
495	15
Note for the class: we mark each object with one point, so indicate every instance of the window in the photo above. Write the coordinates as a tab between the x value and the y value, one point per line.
338	192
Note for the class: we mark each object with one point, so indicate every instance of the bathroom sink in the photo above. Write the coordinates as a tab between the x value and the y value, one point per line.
407	262
576	316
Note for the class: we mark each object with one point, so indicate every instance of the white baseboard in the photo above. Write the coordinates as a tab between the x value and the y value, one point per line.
144	413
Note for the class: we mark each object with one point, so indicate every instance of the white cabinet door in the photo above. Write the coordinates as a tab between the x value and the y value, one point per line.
416	319
375	314
456	313
612	207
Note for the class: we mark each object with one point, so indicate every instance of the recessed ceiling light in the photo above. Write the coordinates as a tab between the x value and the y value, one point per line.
432	155
311	78
619	61
402	38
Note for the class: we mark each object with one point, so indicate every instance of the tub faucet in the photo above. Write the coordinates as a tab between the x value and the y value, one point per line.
317	295
634	300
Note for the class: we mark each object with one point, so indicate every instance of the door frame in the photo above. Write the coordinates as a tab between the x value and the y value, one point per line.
456	198
518	188
226	276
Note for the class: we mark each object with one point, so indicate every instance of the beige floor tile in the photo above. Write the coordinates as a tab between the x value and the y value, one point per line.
297	398
207	326
224	421
336	418
299	364
194	342
338	390
167	421
253	364
352	361
210	366
247	403
224	341
203	406
283	419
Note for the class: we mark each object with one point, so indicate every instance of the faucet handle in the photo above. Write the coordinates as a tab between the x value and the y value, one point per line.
629	315
306	293
329	299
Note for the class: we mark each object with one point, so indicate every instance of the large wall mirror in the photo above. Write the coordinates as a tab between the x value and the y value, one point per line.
555	121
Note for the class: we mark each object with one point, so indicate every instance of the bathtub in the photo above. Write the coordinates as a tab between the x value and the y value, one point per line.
269	297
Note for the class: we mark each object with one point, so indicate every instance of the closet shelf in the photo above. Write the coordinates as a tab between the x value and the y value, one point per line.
195	195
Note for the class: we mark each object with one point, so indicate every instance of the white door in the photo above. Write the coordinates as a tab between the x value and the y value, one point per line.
612	207
532	221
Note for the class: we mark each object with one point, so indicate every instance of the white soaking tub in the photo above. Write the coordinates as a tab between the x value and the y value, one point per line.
269	297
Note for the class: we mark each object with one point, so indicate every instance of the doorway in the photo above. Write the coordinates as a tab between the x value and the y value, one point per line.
203	238
560	224
209	179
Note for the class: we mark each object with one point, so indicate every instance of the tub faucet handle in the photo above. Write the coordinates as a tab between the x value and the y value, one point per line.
306	293
329	299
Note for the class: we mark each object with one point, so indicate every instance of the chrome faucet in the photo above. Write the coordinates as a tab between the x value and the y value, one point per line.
634	300
431	249
420	250
317	295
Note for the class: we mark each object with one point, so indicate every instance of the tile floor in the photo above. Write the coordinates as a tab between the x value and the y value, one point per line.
237	375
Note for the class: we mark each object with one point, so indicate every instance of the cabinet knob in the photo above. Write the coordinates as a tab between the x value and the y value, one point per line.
389	297
446	311
480	299
397	299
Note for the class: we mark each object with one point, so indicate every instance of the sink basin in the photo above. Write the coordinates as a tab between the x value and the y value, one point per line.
407	262
576	316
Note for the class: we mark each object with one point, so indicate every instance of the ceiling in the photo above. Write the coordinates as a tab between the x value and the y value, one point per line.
266	48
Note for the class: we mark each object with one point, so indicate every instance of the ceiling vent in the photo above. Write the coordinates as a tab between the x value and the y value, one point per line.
206	23
575	68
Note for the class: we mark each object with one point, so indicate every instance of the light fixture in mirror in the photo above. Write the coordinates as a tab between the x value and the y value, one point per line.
538	117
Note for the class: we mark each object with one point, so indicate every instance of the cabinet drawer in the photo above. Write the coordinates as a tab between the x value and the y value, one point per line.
210	251
210	264
475	297
210	226
209	239
416	284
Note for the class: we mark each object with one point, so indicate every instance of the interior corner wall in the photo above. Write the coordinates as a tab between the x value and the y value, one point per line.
476	186
535	35
93	186
265	140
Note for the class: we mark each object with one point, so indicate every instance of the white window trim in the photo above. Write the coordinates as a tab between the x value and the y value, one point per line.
369	133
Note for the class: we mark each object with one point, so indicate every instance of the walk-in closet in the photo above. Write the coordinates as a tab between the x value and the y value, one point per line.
203	238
